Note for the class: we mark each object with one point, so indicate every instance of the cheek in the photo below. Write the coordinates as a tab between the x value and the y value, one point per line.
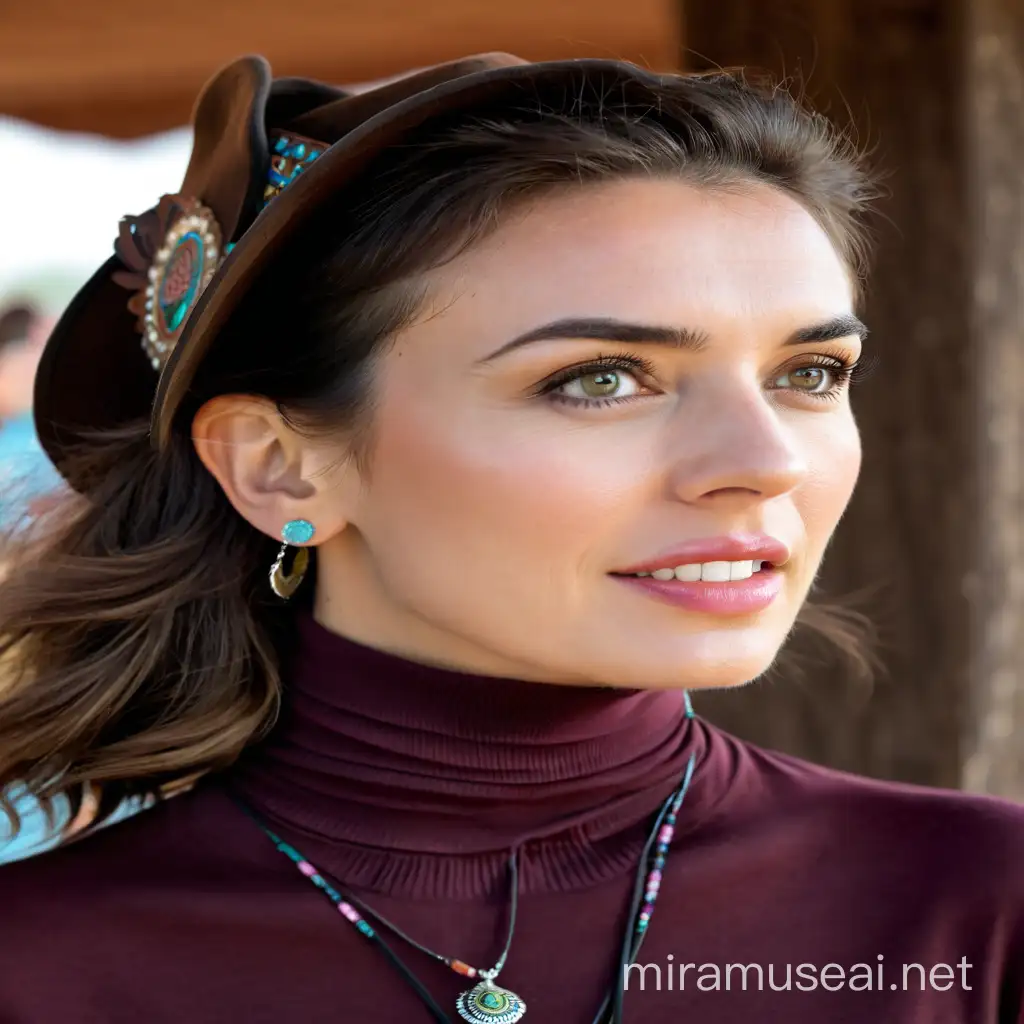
833	468
527	492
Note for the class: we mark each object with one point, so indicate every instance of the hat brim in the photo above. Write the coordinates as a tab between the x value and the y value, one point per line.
93	374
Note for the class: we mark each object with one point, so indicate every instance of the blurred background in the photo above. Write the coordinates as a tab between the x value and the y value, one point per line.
93	100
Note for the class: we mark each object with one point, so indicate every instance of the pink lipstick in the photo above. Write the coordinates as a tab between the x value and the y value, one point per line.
738	574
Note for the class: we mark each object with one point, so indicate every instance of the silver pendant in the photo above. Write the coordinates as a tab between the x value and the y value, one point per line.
489	1004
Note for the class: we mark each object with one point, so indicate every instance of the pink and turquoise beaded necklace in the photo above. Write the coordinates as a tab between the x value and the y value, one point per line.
488	1003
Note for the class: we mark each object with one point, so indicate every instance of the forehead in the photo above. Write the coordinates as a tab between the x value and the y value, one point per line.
653	249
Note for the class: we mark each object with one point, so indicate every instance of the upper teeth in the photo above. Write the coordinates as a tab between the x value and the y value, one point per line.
709	572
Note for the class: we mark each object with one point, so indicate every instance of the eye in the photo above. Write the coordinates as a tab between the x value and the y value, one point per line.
596	385
821	377
601	382
807	378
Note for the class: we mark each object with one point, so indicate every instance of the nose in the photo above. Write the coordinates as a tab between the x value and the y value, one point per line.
736	448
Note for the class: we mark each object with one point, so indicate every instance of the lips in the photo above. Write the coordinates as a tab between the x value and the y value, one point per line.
715	559
722	599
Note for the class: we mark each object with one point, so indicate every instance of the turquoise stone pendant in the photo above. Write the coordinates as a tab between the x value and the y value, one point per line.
489	1004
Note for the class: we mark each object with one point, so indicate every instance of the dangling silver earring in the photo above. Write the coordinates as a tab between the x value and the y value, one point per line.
294	532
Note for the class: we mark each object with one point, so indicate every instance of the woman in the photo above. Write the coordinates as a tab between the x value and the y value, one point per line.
550	366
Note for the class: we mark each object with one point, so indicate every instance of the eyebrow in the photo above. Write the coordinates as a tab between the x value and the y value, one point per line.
845	326
609	329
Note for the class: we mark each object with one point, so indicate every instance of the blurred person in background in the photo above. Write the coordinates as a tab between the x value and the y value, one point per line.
454	431
28	484
26	474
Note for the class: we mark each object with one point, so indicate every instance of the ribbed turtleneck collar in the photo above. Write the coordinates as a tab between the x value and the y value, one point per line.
395	769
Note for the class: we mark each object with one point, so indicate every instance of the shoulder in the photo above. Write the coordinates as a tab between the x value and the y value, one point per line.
137	848
970	841
110	899
127	884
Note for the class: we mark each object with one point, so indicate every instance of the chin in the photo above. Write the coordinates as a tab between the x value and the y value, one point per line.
707	662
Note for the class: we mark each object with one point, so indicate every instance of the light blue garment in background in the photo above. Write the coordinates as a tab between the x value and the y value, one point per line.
37	835
26	472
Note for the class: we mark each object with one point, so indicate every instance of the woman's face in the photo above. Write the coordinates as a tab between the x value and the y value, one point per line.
634	377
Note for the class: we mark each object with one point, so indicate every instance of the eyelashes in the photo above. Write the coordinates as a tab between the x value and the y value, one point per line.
628	362
863	368
842	371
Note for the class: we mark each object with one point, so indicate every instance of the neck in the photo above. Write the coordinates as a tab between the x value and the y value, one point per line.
398	759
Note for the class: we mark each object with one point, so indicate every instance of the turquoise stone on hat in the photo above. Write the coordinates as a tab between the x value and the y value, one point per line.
293	155
298	531
182	278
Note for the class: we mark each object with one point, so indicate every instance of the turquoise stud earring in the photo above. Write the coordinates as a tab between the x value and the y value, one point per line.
294	532
298	531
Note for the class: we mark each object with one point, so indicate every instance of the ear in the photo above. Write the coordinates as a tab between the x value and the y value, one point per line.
268	472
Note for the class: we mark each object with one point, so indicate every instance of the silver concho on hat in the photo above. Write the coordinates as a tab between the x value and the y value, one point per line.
181	270
168	256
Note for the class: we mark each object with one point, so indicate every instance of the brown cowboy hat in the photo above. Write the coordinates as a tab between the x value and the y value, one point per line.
267	152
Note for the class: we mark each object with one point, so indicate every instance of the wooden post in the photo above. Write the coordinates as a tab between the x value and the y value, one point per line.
936	88
995	144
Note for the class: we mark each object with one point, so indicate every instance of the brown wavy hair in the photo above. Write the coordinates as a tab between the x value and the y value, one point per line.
139	641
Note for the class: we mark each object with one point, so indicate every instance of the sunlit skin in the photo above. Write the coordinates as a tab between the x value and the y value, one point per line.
506	489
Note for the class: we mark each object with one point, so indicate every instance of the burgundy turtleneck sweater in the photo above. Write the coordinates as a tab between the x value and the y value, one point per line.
410	785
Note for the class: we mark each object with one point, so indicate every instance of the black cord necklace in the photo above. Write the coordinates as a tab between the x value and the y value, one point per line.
488	1003
485	1002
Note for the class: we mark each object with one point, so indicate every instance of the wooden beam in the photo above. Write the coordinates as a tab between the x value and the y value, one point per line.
127	68
896	70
